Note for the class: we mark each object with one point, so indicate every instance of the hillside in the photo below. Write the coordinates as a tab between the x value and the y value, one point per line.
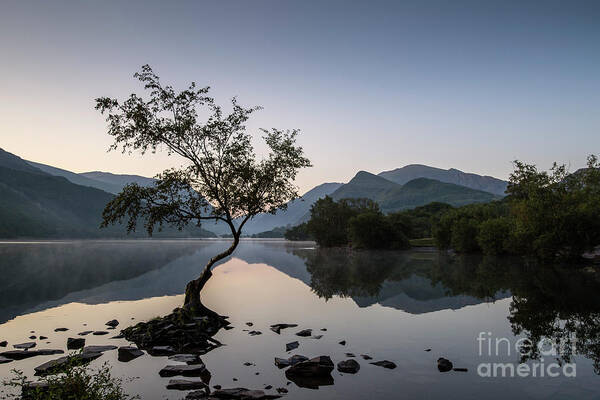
34	204
296	210
455	176
417	192
117	180
77	178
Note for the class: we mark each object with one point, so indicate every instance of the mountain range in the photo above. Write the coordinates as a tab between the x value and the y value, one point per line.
39	200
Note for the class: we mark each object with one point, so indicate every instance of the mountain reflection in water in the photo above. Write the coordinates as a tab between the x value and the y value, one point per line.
547	301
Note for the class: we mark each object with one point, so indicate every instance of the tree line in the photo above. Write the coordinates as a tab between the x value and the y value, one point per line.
550	215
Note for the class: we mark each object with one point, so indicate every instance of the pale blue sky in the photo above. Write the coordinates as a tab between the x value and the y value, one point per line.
373	85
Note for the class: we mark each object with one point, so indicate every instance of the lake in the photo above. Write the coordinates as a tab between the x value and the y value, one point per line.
388	305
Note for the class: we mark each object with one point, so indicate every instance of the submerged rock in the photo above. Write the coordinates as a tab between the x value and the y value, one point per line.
312	373
189	359
183	370
304	333
366	357
98	349
75	343
350	355
43	338
100	333
291	346
61	329
128	353
85	333
28	345
182	384
162	351
4	360
60	364
254	333
3	343
278	327
112	323
23	354
293	360
385	364
444	365
317	336
348	366
343	342
32	337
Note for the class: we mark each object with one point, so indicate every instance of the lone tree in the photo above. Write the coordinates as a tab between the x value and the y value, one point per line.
223	180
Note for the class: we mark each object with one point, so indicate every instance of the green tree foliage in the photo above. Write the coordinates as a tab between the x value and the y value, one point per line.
223	179
298	232
551	215
373	230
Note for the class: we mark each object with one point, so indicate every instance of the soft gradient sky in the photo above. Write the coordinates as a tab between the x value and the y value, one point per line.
373	85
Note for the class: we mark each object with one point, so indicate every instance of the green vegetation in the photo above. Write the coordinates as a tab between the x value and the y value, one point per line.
278	232
74	383
549	215
298	232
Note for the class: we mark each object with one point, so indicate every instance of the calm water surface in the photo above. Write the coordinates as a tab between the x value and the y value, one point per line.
389	305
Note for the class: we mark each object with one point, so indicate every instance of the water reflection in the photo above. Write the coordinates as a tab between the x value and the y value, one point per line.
547	301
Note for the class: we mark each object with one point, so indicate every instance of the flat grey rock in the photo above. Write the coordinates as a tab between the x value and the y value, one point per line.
28	345
182	370
23	354
182	384
128	353
58	365
98	349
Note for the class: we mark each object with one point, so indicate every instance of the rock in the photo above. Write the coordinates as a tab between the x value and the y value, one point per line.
278	327
112	323
61	329
189	359
162	351
3	343
281	362
241	394
385	364
343	342
324	329
98	349
197	395
444	365
312	373
304	333
427	349
249	324
183	370
118	337
85	333
350	355
297	358
254	333
228	327
128	353
291	346
23	354
99	333
235	379
181	384
460	369
268	387
4	360
43	338
317	336
28	345
281	390
75	343
248	364
348	366
58	365
33	337
217	387
366	357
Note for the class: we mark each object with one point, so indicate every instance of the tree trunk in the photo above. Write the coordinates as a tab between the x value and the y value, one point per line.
192	291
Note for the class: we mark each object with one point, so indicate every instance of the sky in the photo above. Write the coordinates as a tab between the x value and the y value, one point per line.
372	85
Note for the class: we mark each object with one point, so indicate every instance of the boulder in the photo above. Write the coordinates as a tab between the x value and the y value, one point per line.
304	333
366	357
75	343
254	333
293	360
348	366
343	342
291	346
350	355
444	365
241	394
385	364
85	333
182	384
32	337
281	362
43	338
25	346
182	370
3	343
312	373
112	323
128	353
4	360
100	333
278	327
61	329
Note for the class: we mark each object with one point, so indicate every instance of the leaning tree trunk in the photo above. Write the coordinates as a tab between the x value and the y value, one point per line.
192	291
